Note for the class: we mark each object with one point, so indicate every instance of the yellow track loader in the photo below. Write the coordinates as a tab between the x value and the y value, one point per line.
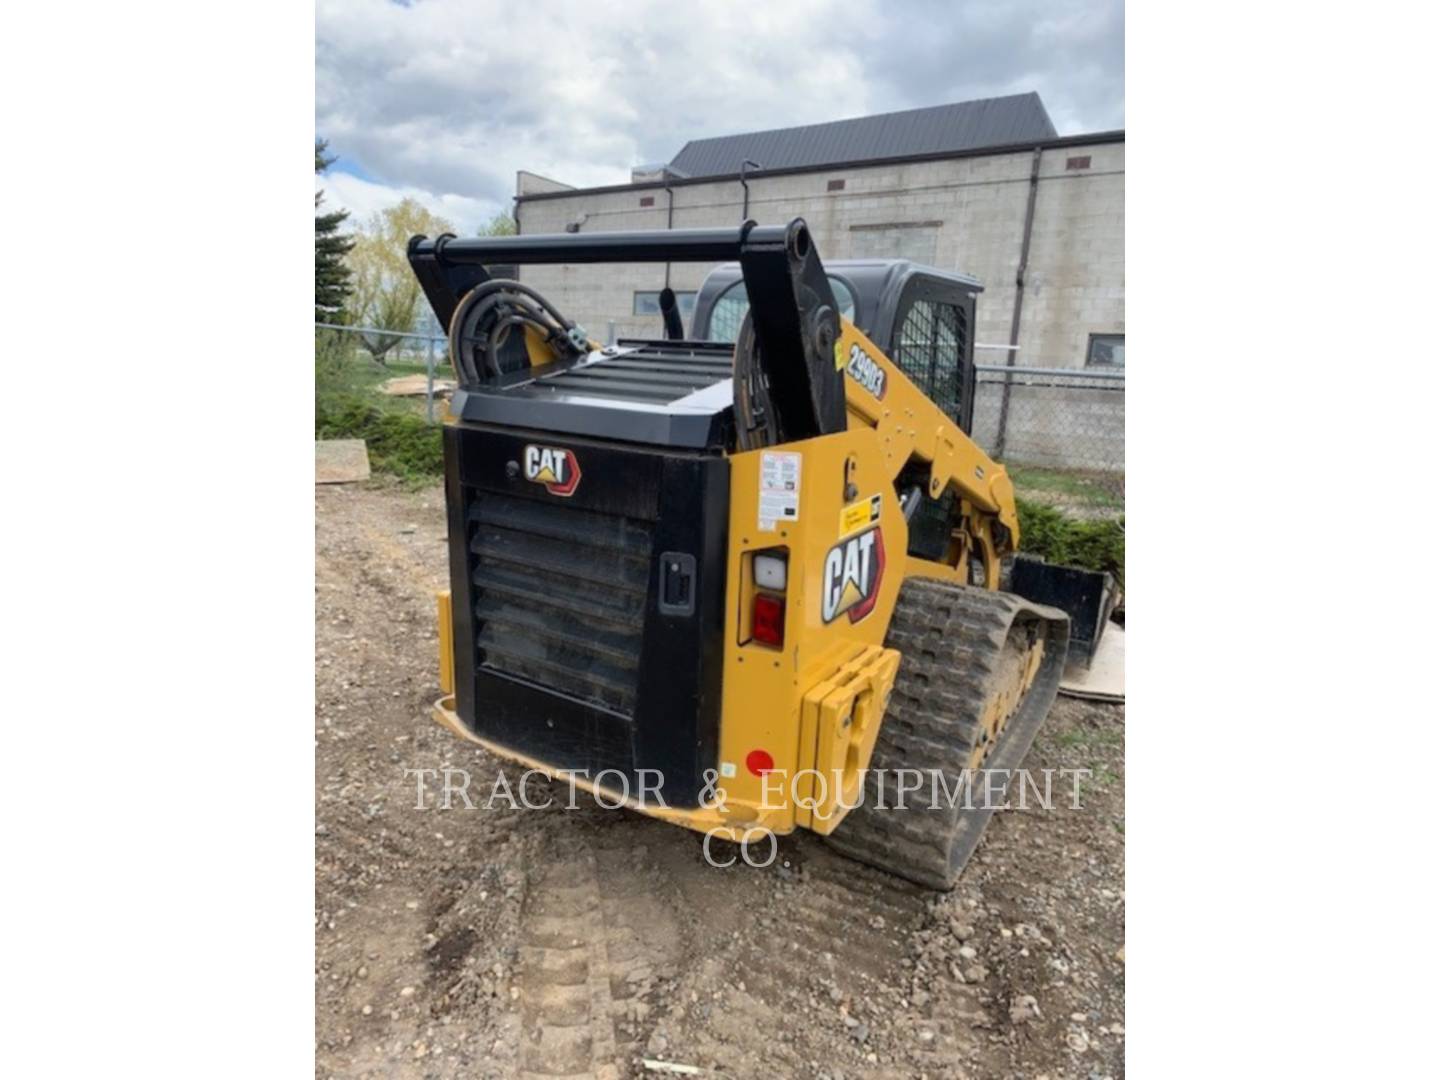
747	581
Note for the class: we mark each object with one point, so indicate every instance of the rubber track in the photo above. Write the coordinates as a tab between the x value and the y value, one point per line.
951	639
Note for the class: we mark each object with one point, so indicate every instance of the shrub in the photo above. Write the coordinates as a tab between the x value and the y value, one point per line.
1091	545
398	442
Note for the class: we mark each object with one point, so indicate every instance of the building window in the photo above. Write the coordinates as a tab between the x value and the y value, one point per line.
835	185
647	200
1078	162
648	303
1106	351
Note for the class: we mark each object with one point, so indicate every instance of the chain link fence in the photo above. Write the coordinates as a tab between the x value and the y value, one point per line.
387	362
1060	431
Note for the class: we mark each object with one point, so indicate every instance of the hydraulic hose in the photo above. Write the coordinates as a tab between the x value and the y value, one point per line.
482	322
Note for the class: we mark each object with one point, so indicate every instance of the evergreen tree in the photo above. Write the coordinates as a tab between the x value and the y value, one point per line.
332	276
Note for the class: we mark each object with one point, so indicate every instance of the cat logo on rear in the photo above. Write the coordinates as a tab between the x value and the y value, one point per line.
853	569
557	469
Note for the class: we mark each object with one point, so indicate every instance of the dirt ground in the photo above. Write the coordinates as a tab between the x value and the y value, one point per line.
514	943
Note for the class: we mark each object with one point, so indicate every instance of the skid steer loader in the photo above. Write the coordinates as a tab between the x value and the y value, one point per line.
743	580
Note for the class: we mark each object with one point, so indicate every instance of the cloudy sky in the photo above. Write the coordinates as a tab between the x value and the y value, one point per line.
445	99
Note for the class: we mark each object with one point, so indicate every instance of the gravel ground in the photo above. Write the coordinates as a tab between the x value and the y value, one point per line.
512	943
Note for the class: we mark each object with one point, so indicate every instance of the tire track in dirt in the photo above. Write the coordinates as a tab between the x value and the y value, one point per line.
806	953
646	939
600	945
564	976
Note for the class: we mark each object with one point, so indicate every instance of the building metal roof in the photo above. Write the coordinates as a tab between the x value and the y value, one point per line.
939	129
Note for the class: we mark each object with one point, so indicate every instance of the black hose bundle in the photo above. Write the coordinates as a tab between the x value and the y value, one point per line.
756	424
481	330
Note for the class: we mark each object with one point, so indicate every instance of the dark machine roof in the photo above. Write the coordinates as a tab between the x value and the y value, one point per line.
939	129
875	284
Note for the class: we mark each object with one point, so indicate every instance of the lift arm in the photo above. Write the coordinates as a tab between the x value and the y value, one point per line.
911	426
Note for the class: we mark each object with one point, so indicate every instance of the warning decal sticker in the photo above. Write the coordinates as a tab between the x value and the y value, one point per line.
858	515
779	488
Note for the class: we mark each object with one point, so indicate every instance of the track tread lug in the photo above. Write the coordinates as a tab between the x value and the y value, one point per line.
942	692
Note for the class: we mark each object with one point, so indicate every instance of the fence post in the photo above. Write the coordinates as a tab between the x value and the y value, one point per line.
1020	270
1004	419
430	380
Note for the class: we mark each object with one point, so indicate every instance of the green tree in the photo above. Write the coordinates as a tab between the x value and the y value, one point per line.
386	294
501	224
332	276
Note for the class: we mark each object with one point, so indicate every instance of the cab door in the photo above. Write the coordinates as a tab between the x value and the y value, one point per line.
932	342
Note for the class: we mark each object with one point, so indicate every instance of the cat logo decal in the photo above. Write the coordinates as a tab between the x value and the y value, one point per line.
851	582
557	469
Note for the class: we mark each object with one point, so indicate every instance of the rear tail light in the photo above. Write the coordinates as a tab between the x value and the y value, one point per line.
767	624
770	572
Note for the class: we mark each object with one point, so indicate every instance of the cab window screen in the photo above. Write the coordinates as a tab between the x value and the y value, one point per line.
930	349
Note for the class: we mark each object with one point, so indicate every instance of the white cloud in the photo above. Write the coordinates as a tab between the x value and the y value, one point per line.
344	191
446	99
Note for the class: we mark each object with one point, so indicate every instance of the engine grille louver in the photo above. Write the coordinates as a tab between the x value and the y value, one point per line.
654	373
560	595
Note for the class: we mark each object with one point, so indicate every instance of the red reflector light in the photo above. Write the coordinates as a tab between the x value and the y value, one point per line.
767	625
759	762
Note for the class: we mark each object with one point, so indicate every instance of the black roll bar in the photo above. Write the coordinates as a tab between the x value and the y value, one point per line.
793	308
650	246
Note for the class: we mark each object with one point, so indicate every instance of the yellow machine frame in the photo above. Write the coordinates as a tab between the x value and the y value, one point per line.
815	706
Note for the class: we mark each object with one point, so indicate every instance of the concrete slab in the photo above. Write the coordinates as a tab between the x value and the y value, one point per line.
1105	679
341	461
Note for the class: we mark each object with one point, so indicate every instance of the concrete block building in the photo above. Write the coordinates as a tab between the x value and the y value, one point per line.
983	187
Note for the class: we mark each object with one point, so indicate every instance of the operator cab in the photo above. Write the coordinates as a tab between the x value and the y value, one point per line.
921	317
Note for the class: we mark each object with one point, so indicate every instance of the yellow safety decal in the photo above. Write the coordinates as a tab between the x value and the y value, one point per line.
860	514
839	357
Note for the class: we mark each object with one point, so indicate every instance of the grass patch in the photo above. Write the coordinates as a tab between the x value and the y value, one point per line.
389	371
348	406
1080	488
1090	545
1089	737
